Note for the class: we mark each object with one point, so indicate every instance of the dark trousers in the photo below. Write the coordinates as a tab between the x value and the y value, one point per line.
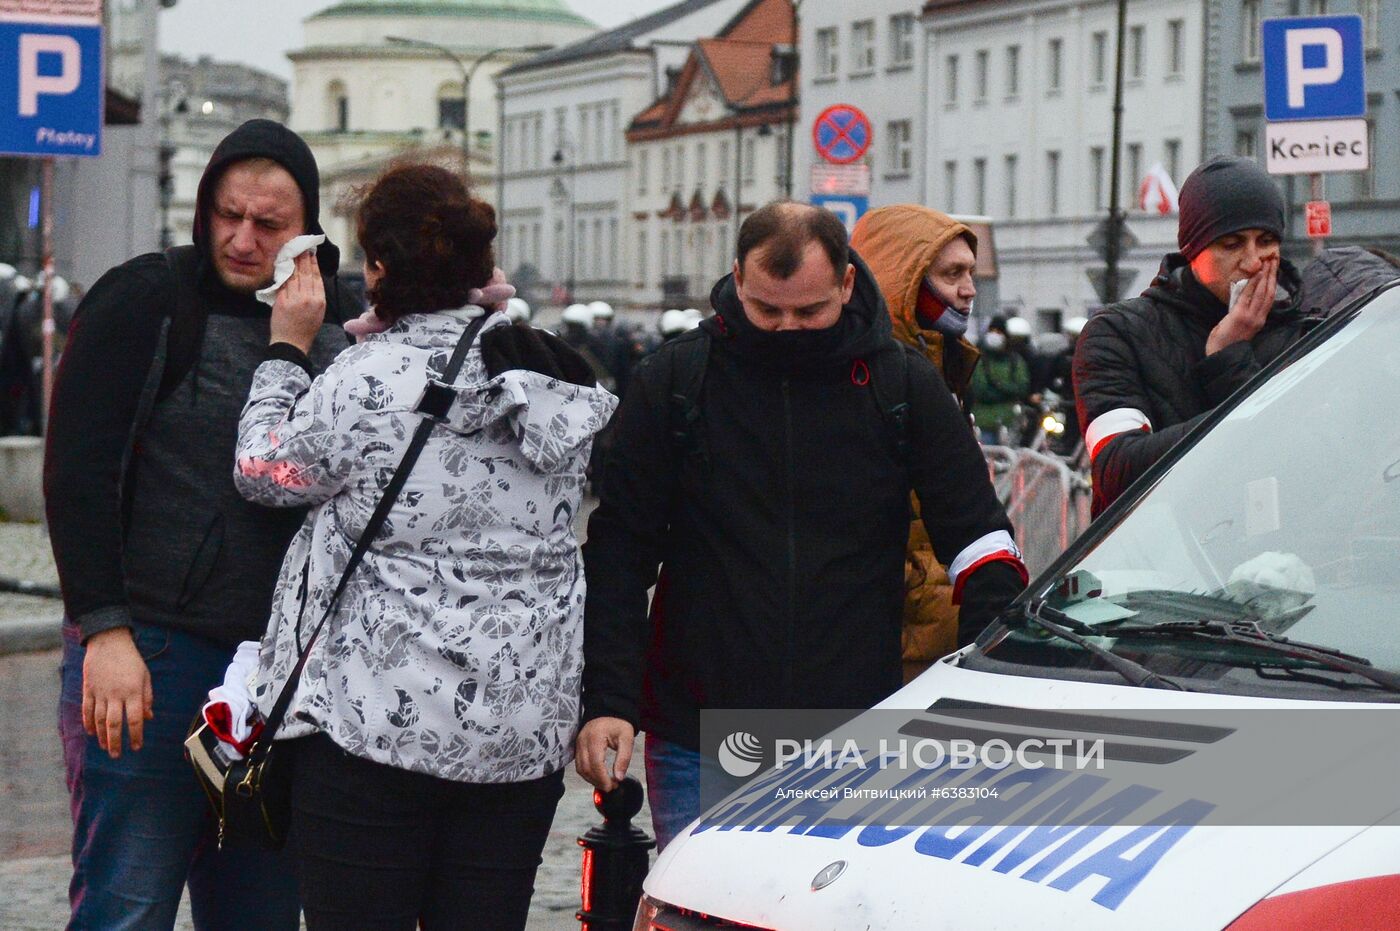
383	848
142	828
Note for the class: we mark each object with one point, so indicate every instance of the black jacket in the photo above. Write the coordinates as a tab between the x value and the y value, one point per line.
782	535
1148	354
138	470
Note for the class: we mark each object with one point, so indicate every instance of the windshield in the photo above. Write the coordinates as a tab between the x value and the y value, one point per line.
1285	516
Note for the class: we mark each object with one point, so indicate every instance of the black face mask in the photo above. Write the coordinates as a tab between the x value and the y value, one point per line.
794	350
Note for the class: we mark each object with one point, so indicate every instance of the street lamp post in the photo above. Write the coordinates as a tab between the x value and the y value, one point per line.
467	75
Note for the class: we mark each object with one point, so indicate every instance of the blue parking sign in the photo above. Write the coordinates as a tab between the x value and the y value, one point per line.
51	89
1314	68
849	209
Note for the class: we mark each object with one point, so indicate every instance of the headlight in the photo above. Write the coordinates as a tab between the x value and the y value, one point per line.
1053	424
646	911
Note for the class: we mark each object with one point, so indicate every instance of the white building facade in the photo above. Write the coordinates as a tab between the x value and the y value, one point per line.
709	153
361	100
867	55
564	192
1019	123
200	103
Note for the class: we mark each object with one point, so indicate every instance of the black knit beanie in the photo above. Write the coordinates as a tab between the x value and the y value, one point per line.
1224	195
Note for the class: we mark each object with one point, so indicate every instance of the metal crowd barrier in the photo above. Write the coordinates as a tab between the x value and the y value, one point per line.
1046	498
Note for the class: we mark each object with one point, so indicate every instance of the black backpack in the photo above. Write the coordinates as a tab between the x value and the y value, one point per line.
690	359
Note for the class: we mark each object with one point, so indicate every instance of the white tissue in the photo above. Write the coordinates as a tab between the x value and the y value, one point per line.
234	692
286	264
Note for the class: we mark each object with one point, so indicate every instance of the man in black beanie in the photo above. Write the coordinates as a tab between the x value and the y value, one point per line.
164	567
1148	369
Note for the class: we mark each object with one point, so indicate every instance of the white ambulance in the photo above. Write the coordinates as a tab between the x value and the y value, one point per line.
1258	567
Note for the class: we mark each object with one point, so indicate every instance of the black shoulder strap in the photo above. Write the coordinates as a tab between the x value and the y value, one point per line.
437	397
690	357
185	337
889	378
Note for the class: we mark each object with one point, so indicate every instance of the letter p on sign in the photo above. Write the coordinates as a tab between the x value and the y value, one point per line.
1300	74
32	84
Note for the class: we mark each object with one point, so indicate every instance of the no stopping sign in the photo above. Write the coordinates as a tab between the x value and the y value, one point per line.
841	134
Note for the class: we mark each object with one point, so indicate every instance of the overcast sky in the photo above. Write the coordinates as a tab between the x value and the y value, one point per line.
264	30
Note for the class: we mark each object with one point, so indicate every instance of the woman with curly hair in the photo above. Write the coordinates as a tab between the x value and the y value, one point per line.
437	709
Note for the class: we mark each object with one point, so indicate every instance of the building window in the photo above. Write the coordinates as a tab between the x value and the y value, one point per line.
1316	8
1176	49
979	186
665	268
536	234
950	187
1134	165
1052	183
452	111
1173	153
828	61
1055	66
784	154
338	105
642	257
901	154
680	168
614	133
1135	52
902	39
612	249
600	136
702	166
581	244
1244	143
666	177
643	171
746	172
1096	160
863	47
1013	70
1010	169
1098	61
726	258
979	85
559	254
537	156
583	136
1371	23
950	81
1249	30
723	166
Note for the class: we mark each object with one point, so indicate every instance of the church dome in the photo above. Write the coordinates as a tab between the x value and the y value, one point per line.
542	11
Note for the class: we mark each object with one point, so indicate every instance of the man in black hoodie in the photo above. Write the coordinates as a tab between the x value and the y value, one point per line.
777	510
164	567
1147	370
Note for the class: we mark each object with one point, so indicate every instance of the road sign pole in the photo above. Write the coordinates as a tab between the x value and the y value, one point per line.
1319	243
46	201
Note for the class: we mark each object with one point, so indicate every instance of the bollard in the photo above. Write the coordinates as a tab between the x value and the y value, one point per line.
615	860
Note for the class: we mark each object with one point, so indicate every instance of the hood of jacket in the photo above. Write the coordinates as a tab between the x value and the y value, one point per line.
861	331
1177	288
265	139
899	243
551	419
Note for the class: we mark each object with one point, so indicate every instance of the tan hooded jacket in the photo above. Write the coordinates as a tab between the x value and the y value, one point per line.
899	243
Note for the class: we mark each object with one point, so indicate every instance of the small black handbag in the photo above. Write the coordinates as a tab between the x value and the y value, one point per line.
252	796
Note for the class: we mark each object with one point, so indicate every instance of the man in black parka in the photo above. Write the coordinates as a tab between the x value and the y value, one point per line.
777	508
164	567
1148	369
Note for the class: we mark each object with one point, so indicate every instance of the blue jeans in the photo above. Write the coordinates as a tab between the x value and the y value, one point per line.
673	786
142	827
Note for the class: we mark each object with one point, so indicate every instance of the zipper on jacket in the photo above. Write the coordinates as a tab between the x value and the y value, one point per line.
791	619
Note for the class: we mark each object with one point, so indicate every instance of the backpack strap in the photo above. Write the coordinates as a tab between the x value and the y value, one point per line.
185	337
889	380
690	358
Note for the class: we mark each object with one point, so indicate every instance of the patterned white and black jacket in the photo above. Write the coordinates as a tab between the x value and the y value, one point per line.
456	649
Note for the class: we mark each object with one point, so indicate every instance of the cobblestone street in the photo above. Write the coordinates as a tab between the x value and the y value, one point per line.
34	820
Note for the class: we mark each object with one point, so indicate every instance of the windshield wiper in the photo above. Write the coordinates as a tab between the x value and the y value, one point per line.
1067	628
1250	634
